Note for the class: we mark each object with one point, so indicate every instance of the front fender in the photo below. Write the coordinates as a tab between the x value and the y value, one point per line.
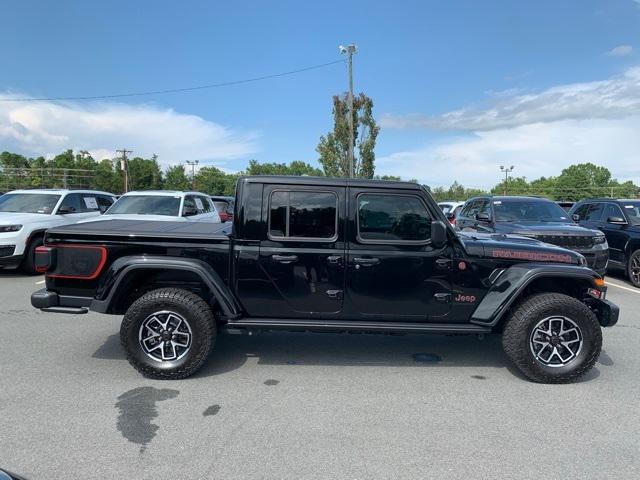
509	285
114	280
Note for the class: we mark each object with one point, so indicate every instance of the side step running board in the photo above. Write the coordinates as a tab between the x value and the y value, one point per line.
355	325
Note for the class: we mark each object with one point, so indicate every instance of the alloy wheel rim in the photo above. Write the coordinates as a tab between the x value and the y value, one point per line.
165	336
634	271
556	341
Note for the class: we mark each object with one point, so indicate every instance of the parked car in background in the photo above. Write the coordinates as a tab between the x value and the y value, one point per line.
451	209
537	218
619	220
164	205
224	206
26	214
566	205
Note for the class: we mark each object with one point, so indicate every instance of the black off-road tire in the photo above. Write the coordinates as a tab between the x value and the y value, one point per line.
28	264
186	304
633	258
521	323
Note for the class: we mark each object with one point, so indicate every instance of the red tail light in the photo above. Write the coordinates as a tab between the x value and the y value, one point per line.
78	261
44	259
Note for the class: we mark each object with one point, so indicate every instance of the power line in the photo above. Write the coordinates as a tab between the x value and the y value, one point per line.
175	90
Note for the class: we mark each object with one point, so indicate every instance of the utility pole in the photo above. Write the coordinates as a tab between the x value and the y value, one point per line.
349	50
124	166
192	164
506	171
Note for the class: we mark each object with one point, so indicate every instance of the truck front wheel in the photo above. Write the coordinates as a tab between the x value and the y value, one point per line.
552	338
168	333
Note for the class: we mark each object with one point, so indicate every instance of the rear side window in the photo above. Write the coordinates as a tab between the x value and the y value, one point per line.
595	212
303	214
392	218
104	202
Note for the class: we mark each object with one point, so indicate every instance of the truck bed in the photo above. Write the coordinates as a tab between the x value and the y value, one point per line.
145	229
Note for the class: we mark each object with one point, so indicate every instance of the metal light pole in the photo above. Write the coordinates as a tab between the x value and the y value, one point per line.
193	172
506	171
349	50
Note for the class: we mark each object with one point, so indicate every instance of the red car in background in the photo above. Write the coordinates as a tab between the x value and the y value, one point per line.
224	206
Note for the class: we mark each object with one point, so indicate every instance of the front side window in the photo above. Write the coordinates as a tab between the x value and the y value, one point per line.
146	205
612	210
28	203
581	211
72	203
471	208
393	218
632	209
303	214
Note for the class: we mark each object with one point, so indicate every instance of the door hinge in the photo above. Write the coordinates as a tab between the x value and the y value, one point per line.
337	294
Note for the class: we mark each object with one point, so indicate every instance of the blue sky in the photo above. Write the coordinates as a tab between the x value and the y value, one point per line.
458	86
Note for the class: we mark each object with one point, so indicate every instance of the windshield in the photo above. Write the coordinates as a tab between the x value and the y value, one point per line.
146	205
632	209
528	210
29	202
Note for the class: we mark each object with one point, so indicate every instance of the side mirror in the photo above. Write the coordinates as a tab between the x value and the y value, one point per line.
575	218
616	220
438	234
63	210
189	211
482	217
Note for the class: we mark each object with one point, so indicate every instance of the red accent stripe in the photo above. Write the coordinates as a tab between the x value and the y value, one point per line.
94	275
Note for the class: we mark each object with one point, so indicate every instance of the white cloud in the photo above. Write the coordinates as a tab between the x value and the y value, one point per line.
620	51
541	149
616	97
37	128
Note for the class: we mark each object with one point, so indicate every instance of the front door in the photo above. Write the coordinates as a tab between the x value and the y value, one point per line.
393	271
303	254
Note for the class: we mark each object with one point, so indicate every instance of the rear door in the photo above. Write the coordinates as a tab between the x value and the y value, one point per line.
393	271
303	252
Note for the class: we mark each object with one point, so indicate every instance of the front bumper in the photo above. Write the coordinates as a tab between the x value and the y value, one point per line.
49	301
597	259
10	260
606	311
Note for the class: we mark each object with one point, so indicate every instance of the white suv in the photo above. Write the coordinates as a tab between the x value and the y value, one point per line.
163	205
26	214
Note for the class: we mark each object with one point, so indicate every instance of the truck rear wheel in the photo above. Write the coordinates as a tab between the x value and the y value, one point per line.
168	333
552	338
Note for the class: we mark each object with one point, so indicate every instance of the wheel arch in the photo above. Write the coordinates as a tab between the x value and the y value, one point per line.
522	280
128	278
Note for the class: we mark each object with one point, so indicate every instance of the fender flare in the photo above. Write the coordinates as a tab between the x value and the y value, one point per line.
113	280
509	285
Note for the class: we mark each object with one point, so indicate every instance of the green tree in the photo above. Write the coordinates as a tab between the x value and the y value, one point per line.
107	177
214	181
514	186
144	174
176	178
334	148
581	181
296	167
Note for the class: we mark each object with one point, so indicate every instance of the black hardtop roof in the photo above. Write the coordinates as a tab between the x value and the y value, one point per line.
609	200
329	181
512	197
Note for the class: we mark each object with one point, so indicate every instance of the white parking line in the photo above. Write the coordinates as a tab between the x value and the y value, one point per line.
624	287
40	282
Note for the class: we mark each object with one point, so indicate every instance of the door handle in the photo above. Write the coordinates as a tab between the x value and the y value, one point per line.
334	259
284	258
366	262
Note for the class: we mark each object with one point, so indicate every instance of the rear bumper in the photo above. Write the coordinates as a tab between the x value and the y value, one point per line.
49	301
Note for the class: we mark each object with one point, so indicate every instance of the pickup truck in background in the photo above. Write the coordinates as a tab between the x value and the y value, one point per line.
322	254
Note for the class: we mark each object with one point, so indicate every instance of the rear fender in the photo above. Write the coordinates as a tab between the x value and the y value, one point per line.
509	286
114	282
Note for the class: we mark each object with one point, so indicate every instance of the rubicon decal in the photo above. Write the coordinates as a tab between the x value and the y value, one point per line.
530	255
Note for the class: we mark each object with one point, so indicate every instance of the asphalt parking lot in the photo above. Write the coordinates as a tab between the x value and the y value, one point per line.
283	405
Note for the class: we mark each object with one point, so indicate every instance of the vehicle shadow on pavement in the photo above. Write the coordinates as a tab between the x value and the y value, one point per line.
294	350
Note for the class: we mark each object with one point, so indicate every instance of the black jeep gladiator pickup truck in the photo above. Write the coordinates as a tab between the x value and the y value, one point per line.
324	254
